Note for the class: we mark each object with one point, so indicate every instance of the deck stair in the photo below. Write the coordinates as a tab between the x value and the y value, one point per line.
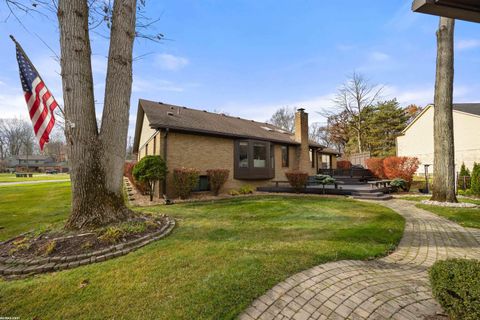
371	195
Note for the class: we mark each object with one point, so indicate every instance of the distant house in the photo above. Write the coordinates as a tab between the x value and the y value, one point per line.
417	139
35	163
255	153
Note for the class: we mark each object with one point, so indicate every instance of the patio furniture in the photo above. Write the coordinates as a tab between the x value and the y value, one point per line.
379	183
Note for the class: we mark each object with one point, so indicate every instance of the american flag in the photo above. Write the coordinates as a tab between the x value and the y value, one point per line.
41	104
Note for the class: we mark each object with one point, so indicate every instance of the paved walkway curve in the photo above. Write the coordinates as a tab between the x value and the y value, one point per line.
394	287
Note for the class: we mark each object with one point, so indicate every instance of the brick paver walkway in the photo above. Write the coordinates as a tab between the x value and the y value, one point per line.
394	287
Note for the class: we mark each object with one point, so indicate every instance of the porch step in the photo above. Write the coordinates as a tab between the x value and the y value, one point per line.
382	198
375	195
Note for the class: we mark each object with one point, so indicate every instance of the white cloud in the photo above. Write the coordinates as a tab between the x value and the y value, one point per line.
378	56
170	62
466	44
263	111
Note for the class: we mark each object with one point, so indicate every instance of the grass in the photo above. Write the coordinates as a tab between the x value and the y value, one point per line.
32	206
10	177
466	217
220	257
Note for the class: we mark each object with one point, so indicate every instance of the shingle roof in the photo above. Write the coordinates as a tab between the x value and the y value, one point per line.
472	108
162	116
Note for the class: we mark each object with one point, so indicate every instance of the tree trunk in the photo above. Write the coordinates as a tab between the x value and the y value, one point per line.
94	202
444	152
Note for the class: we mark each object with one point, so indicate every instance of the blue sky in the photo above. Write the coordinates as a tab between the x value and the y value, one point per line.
251	57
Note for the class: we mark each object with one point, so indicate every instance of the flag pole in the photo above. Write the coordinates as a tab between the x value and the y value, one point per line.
33	66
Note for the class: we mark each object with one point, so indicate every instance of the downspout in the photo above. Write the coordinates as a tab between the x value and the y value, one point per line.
165	157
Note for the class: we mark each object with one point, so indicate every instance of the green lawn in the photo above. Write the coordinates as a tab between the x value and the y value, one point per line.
219	258
10	177
467	217
32	206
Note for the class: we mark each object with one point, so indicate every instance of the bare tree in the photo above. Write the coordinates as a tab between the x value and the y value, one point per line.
353	96
284	118
96	154
443	188
319	133
16	137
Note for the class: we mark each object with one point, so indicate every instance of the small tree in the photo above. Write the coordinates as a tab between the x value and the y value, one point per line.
401	167
150	170
217	178
464	178
297	179
375	165
475	179
185	180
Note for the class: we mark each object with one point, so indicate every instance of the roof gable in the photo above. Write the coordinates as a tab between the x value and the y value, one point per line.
467	108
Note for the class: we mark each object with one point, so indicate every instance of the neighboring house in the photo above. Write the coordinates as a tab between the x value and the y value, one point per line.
35	163
255	153
417	139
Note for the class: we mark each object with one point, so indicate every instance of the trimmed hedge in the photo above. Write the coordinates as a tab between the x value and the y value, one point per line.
456	286
217	178
297	179
185	180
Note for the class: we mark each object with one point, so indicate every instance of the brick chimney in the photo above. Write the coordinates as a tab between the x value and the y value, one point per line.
301	136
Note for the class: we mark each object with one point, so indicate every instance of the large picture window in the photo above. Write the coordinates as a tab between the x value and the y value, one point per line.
254	160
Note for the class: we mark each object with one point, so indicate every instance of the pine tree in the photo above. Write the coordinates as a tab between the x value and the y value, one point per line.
463	178
475	179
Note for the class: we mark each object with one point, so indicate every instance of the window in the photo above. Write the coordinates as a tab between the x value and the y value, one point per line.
312	157
259	155
154	144
146	149
243	154
254	160
203	184
285	157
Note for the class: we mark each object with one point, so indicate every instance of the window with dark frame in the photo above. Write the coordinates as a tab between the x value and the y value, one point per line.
254	160
285	157
146	149
243	154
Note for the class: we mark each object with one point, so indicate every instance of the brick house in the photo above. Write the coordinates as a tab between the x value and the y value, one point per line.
255	153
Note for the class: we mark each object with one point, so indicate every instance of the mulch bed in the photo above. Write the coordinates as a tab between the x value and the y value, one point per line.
67	243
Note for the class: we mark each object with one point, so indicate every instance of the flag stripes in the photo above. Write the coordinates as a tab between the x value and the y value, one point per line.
40	102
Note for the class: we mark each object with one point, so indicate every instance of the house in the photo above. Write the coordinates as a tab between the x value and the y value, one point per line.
417	138
255	153
35	163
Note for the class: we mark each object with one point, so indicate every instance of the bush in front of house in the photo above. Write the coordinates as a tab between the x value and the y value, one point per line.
456	286
399	183
149	170
246	189
475	180
217	178
185	180
344	164
401	167
297	179
375	165
128	172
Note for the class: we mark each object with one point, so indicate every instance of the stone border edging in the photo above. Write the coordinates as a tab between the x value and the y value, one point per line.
17	268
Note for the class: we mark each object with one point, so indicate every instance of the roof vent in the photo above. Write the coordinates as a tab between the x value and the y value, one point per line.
204	110
170	113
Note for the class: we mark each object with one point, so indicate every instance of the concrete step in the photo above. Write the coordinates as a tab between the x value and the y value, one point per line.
368	193
381	198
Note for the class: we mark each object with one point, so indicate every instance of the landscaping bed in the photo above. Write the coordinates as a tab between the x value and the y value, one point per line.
32	253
